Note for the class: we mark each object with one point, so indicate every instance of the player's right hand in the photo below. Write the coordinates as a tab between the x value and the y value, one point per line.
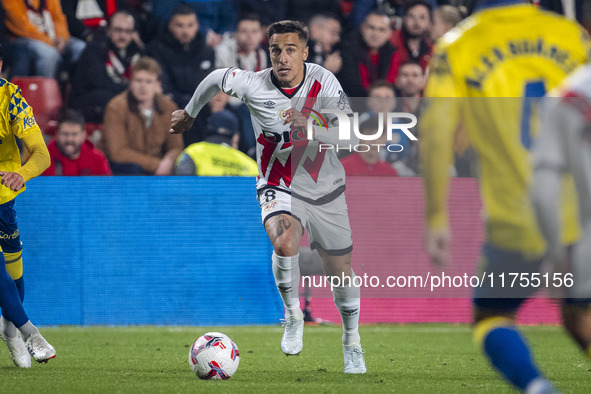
181	121
437	243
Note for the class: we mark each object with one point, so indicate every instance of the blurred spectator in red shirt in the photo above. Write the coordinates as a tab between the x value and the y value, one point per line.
71	153
367	160
413	40
369	56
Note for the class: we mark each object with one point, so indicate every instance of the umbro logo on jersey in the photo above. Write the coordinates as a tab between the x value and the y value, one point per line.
269	104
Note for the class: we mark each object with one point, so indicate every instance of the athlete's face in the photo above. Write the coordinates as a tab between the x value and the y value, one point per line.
288	54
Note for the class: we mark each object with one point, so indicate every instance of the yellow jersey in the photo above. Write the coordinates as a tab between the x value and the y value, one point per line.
17	121
484	74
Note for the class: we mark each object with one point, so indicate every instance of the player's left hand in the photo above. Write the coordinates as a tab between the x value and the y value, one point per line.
296	118
12	180
437	243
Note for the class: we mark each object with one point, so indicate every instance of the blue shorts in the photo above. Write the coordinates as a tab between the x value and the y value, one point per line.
504	295
10	240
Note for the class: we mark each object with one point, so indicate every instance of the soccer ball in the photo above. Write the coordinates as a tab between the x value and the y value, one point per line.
214	356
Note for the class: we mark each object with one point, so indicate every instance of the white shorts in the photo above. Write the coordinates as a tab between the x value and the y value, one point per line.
327	225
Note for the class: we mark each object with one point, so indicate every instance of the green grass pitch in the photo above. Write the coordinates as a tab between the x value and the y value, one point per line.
421	358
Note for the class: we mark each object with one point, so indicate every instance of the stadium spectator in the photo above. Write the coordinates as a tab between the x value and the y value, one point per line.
369	56
218	155
135	129
367	160
244	51
39	38
410	83
104	68
72	154
303	10
393	8
324	44
413	40
86	16
381	98
185	59
17	121
445	17
217	16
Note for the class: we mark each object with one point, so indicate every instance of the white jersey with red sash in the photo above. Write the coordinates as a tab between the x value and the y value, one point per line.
287	161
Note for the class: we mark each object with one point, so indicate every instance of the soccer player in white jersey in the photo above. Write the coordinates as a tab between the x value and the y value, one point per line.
299	186
564	146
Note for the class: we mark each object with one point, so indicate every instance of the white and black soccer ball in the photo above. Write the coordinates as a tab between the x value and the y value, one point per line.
214	356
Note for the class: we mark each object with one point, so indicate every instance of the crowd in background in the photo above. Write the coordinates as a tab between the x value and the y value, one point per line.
123	66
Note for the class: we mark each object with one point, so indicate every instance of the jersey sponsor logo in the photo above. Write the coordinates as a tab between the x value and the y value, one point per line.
271	206
4	235
269	104
29	121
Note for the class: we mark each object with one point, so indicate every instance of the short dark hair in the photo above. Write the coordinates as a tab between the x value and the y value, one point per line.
121	12
72	116
413	3
183	9
248	17
288	26
0	52
380	83
412	63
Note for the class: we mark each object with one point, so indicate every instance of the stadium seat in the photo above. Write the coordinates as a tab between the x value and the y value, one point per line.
43	94
94	132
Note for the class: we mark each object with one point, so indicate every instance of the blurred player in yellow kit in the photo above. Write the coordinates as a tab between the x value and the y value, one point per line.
16	121
484	75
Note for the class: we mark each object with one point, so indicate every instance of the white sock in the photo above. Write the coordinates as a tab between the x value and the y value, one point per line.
9	328
346	298
539	385
27	330
286	271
